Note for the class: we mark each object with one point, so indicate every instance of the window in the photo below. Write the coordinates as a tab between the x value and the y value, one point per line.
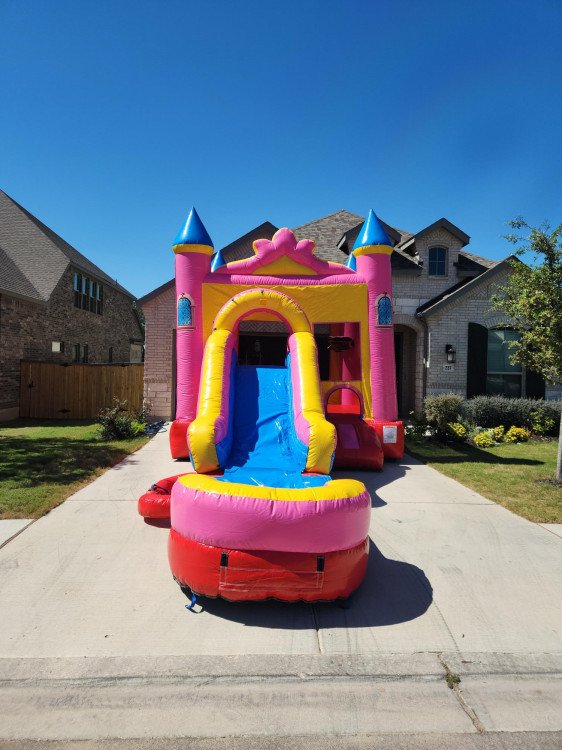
503	378
384	311
57	346
80	353
437	261
88	294
185	312
110	356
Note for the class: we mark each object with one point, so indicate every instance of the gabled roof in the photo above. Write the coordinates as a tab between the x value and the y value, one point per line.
449	226
399	259
453	293
349	237
327	231
37	254
14	281
243	246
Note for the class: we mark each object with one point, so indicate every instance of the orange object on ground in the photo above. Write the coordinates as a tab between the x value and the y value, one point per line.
156	502
391	436
358	445
242	575
179	447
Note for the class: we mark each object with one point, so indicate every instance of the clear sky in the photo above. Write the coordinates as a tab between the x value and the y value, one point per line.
117	115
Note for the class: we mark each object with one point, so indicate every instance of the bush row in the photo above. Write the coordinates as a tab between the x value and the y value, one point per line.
449	416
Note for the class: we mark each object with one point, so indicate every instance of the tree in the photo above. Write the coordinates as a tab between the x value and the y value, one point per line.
532	298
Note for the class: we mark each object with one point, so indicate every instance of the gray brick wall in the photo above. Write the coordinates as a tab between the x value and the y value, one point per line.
28	329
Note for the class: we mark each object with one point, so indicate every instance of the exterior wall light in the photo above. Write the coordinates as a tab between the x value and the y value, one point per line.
451	353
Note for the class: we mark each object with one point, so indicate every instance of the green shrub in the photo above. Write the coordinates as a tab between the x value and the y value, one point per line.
416	427
488	411
543	423
440	411
517	435
118	423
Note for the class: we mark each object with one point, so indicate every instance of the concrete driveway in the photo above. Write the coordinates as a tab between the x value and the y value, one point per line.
95	640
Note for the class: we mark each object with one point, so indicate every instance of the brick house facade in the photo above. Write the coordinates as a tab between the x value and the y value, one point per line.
441	291
40	317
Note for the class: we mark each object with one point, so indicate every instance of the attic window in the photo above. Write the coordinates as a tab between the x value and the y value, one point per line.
88	294
437	265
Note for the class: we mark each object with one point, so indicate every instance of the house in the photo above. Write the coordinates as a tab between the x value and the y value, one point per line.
56	305
446	337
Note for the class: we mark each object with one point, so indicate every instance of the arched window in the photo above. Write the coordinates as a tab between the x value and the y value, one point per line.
384	311
185	312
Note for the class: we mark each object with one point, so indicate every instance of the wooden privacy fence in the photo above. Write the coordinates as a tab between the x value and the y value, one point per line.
74	391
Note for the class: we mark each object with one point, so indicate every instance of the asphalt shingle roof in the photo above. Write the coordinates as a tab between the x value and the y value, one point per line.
39	254
327	232
15	281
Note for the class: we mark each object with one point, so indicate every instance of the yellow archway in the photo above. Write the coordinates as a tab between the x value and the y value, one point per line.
257	300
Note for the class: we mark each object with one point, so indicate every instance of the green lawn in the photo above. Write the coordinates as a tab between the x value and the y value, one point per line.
507	474
43	462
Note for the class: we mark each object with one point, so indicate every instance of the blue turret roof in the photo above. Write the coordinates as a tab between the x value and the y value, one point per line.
217	261
372	233
193	232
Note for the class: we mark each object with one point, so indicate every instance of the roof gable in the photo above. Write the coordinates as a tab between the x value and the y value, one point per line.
14	282
449	226
327	231
39	253
453	293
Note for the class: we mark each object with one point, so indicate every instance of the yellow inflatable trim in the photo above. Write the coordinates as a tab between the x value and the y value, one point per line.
336	489
322	441
205	249
202	429
373	250
261	299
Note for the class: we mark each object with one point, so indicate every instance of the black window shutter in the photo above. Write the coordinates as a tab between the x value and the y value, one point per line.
534	385
477	360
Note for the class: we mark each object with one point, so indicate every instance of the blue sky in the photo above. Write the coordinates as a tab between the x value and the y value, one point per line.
118	115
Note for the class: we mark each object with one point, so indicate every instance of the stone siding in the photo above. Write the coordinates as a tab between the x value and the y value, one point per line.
27	330
160	318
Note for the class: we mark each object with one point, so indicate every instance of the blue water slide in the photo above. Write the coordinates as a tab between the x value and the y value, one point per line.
264	448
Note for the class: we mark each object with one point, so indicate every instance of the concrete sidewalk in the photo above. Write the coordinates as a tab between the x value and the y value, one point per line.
93	625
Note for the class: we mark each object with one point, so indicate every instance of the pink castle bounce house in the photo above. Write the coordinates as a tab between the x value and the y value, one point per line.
260	516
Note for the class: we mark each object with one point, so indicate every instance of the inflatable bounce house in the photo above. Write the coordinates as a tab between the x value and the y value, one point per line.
260	516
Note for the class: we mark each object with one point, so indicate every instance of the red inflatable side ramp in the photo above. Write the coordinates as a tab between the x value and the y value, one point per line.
391	436
242	575
358	445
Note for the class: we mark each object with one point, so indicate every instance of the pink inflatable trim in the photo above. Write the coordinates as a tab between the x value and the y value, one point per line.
284	244
248	523
231	277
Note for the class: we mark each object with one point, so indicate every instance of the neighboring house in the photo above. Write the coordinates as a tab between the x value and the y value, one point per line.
446	337
56	305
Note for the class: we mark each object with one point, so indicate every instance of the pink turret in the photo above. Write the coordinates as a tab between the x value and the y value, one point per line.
193	249
371	258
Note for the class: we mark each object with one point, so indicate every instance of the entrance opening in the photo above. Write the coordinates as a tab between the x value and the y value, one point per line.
262	349
262	343
350	404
